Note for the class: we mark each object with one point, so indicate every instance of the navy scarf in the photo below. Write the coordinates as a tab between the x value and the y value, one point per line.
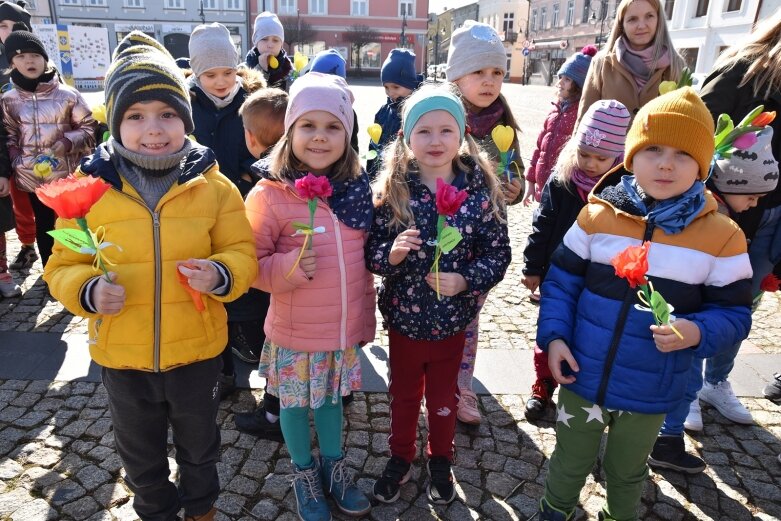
671	215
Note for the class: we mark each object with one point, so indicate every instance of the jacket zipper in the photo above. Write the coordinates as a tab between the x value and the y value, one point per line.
620	323
342	281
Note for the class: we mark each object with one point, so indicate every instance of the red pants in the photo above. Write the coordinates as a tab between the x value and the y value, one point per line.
23	213
541	368
418	367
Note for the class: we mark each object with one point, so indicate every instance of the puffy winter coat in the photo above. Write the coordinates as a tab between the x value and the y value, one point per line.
159	328
37	120
703	272
555	133
274	77
335	309
389	118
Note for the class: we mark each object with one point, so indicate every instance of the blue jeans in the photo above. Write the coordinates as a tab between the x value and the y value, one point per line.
764	253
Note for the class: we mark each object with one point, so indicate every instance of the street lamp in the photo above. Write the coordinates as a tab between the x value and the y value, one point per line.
435	47
403	38
602	17
201	14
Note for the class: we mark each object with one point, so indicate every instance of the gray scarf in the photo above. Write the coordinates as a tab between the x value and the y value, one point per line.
221	103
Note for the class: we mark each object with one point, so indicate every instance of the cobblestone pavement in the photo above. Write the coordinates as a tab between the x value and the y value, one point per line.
57	458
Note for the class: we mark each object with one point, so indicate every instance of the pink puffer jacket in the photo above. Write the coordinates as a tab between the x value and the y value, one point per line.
37	120
334	310
555	133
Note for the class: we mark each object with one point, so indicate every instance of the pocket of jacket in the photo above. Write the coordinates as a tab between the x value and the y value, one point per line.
98	335
206	316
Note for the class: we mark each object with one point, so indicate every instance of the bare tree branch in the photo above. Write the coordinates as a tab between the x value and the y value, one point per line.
359	35
297	31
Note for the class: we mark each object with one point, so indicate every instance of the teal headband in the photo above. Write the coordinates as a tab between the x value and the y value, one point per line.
440	101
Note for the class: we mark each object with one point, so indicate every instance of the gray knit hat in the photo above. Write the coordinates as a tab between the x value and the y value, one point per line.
752	171
474	47
267	24
211	47
143	70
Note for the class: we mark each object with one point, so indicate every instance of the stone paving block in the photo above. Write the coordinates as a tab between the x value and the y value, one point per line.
9	469
63	492
82	508
91	477
14	500
110	494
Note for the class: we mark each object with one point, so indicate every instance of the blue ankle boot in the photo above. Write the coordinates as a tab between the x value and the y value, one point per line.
549	513
338	481
310	498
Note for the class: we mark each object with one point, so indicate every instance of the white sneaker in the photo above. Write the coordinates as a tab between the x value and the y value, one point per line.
9	288
694	419
724	400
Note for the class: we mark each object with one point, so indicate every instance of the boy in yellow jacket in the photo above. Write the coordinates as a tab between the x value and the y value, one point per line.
171	212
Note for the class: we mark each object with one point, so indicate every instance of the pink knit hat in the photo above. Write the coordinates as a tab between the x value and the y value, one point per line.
317	91
603	128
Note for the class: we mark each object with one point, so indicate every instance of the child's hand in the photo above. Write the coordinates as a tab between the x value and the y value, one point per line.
528	199
558	352
308	263
404	242
512	190
450	284
5	186
263	60
108	297
532	282
201	274
666	340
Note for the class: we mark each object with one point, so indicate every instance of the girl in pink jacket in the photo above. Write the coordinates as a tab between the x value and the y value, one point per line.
322	295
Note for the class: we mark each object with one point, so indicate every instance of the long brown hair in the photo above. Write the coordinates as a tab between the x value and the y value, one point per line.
661	38
762	52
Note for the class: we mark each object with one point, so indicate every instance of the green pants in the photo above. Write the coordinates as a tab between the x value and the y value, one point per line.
579	428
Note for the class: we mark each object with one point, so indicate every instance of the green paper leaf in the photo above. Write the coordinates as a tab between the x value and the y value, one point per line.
751	115
300	226
371	154
660	308
448	239
72	239
106	135
723	127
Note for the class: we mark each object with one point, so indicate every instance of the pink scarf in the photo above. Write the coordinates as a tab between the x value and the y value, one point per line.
639	63
583	183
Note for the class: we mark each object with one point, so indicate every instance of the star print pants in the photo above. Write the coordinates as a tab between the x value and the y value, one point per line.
579	428
419	367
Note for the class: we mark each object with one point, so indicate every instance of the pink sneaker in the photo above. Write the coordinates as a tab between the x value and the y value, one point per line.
468	409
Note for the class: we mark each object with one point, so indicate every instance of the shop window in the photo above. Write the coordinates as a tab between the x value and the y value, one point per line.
371	56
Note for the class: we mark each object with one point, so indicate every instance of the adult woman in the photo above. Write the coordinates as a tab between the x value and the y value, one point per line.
639	55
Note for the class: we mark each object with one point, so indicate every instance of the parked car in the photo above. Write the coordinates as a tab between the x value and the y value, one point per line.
441	70
431	71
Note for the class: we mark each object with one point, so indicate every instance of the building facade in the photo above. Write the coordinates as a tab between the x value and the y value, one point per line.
509	18
169	21
40	11
397	23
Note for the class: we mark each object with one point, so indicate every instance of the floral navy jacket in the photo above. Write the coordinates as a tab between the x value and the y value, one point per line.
406	301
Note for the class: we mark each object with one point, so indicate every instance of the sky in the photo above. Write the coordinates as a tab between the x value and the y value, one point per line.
437	6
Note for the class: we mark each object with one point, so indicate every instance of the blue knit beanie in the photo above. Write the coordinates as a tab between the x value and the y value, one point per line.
399	68
576	65
329	62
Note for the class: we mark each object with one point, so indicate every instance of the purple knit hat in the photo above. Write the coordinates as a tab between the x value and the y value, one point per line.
318	91
603	128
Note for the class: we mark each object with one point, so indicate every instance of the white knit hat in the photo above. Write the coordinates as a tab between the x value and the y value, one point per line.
211	47
267	24
474	47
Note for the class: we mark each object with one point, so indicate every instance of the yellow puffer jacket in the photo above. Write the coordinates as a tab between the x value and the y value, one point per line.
159	328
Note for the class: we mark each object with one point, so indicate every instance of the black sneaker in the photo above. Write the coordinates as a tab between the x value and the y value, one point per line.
441	487
24	259
257	424
347	400
541	400
244	338
388	488
772	391
670	453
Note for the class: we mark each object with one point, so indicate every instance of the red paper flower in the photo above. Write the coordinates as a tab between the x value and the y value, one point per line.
771	283
312	187
764	119
632	264
449	199
72	197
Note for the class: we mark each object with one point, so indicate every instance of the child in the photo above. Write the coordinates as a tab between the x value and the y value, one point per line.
263	115
737	183
330	61
597	147
477	63
322	297
560	122
169	209
44	118
426	331
217	90
618	369
399	79
267	40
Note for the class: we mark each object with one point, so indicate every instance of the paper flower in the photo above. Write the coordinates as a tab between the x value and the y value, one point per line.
310	188
745	141
195	295
504	136
667	86
99	113
770	283
375	132
632	264
273	62
670	85
299	62
448	200
764	119
730	137
72	198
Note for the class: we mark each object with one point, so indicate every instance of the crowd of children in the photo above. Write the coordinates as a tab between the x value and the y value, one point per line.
261	236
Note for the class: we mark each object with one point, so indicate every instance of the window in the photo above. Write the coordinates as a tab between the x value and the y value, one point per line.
689	55
70	2
534	20
405	6
318	7
359	7
210	4
287	6
555	16
570	13
174	4
371	56
669	5
134	3
543	16
509	21
31	5
586	12
734	5
95	3
234	5
702	8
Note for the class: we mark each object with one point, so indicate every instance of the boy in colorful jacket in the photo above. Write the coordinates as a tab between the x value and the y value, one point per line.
172	213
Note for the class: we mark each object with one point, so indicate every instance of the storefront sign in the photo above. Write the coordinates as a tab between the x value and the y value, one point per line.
396	38
177	28
126	28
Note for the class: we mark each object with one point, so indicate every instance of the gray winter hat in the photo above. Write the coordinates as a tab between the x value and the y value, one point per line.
473	47
211	47
267	24
752	171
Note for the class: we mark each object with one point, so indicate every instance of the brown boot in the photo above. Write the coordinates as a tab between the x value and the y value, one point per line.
208	516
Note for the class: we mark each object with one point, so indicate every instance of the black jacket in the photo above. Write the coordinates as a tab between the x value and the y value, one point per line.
558	210
274	77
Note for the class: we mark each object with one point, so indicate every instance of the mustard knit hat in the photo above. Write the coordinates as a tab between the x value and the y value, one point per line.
677	119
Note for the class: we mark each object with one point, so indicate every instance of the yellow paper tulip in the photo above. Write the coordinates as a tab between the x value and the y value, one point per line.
667	86
375	131
99	113
43	169
273	62
299	61
503	136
